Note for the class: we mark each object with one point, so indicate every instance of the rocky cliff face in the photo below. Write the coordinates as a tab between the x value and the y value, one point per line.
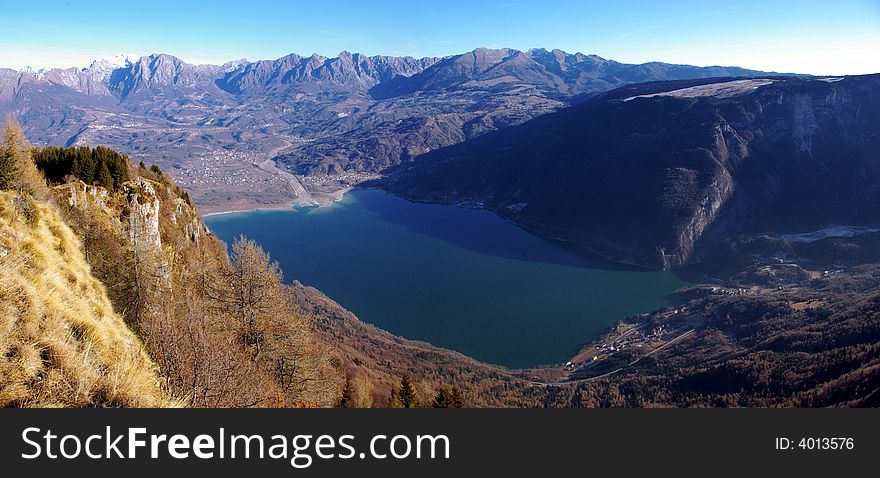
78	193
138	215
646	173
222	331
160	72
143	215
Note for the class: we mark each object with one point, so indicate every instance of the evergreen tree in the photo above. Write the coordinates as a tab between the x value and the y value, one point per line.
8	168
443	399
74	167
455	398
86	168
448	398
406	395
86	164
156	173
104	177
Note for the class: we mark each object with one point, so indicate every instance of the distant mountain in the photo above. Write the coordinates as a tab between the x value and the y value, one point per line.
350	71
645	173
553	71
340	120
464	96
158	72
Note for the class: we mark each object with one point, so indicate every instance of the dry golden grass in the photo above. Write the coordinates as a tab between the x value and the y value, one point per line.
61	343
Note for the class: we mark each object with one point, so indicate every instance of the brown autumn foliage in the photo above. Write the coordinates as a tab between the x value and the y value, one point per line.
61	342
375	361
224	333
15	157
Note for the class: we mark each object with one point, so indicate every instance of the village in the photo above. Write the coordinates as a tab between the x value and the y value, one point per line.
625	336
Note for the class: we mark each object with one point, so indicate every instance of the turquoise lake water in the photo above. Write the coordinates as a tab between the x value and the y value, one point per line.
458	278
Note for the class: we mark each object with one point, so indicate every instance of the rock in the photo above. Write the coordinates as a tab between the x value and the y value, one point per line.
143	215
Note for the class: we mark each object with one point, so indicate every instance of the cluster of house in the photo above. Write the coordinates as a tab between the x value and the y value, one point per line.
635	339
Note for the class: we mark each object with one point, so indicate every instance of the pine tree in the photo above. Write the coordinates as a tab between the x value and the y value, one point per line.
448	398
75	168
17	163
455	398
85	167
406	395
443	399
8	168
104	177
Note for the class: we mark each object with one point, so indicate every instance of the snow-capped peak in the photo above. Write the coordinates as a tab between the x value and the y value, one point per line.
107	64
231	65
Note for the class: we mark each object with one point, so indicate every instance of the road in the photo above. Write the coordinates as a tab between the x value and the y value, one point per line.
581	357
585	380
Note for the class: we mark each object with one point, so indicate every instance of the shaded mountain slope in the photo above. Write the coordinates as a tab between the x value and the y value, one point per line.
643	173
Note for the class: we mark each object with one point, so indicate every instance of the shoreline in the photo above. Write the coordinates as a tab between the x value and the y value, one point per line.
234	211
323	200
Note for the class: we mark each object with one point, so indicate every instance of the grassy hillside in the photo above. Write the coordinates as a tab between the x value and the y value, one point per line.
61	343
105	265
222	329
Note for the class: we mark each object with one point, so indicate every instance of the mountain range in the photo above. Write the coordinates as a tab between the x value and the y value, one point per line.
303	129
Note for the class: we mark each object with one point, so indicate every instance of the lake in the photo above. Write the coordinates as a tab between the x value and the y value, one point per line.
458	278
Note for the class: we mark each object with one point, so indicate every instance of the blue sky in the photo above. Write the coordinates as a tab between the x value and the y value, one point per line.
820	37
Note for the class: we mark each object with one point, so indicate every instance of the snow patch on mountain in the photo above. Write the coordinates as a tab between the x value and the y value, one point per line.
102	67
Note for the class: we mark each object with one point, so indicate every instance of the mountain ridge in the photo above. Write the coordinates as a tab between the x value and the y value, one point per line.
296	67
642	174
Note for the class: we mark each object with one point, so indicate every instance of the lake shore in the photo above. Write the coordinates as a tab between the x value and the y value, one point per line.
318	199
222	211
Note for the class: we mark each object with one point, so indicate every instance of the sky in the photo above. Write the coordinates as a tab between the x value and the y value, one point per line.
806	36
